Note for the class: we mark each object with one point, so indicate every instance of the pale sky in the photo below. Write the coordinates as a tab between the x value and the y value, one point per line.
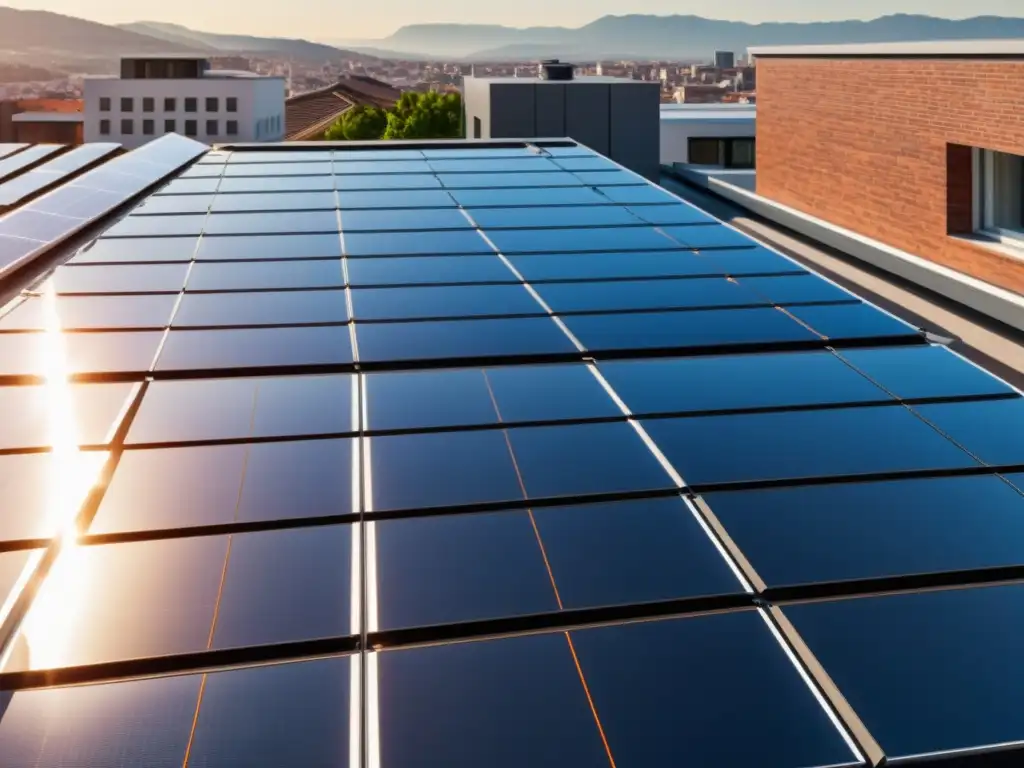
344	19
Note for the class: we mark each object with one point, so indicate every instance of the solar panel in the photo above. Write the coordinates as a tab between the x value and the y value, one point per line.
433	438
12	165
9	148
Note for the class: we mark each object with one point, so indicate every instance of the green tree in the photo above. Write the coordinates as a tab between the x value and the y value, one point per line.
425	116
361	123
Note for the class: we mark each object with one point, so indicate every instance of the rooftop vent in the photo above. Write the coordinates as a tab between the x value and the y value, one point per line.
553	69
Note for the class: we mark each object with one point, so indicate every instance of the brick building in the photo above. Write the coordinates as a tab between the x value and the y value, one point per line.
916	145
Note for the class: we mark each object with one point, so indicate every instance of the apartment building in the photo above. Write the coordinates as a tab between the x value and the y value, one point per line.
917	146
156	96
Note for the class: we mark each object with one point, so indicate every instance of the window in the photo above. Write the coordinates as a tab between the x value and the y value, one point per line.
1000	196
104	103
231	104
170	126
148	128
127	104
477	129
191	104
211	127
148	104
727	153
232	128
212	104
127	126
104	127
191	128
170	104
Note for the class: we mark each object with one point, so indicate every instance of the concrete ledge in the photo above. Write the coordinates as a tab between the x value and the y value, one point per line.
1002	305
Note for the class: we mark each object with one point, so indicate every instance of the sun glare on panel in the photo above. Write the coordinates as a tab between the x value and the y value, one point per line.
48	627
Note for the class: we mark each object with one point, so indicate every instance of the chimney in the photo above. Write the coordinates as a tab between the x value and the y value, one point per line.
553	69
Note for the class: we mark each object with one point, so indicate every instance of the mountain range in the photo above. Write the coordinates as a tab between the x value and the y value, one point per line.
179	35
676	37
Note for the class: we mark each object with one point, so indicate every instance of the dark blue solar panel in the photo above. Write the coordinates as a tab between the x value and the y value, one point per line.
803	444
501	198
145	278
395	220
270	222
391	181
637	265
683	330
640	295
414	243
305	246
238	276
567	240
636	195
412	198
351	166
270	184
432	303
278	169
569	392
609	178
692	385
493	165
709	236
555	216
261	308
157	226
796	289
394	271
594	163
222	349
283	201
943	675
870	530
922	371
165	204
973	425
424	399
680	213
364	155
854	321
499	180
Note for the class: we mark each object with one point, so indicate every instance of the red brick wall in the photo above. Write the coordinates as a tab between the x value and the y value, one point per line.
869	145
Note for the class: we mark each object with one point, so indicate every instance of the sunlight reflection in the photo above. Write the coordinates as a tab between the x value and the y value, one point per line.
72	475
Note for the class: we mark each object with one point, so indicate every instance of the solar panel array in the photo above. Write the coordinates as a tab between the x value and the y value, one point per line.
15	163
32	229
489	456
14	191
10	148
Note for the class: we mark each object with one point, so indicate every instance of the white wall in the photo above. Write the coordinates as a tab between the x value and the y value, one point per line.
679	124
259	99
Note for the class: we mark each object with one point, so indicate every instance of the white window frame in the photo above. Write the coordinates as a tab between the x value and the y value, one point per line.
984	202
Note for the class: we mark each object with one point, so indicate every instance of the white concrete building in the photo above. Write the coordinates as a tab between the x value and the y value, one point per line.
708	134
181	94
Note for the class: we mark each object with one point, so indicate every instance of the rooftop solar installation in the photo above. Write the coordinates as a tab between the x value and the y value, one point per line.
12	165
9	148
54	172
484	455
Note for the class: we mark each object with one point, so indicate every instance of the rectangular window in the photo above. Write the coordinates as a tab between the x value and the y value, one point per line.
170	104
170	126
476	128
191	104
739	153
211	127
127	104
191	128
148	128
127	126
231	104
705	152
104	103
104	127
232	128
148	104
725	152
212	104
1000	196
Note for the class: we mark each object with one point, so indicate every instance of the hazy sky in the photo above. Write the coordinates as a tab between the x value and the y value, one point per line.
341	19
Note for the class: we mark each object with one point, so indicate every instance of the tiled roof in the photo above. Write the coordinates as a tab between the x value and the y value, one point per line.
308	114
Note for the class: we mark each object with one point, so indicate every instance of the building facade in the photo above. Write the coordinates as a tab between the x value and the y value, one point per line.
151	100
918	146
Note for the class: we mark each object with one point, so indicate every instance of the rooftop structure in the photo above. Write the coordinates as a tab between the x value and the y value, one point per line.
181	94
308	115
720	135
481	453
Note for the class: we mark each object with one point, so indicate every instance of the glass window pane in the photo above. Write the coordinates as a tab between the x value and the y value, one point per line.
924	371
133	250
428	303
410	243
441	470
255	348
440	570
630	552
567	240
944	675
149	278
803	444
140	722
269	247
461	339
252	276
549	392
261	308
395	271
683	330
990	430
662	689
417	400
696	384
279	715
873	530
286	586
584	459
501	703
398	219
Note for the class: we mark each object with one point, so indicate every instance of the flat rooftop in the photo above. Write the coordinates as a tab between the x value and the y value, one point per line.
1007	48
709	112
485	453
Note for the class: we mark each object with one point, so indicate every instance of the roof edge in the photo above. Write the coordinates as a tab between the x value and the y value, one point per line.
1010	48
